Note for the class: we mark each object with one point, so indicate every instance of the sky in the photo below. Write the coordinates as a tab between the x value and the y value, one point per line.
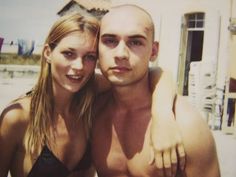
28	19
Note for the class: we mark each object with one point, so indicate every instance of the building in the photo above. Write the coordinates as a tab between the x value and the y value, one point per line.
198	44
96	8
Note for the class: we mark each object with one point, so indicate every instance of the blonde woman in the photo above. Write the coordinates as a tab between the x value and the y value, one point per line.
45	133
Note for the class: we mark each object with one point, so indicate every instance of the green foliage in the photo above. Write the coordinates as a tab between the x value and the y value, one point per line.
11	58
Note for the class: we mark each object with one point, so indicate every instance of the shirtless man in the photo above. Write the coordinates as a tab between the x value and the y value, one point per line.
120	134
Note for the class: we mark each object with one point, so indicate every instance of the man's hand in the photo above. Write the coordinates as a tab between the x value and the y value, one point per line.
167	147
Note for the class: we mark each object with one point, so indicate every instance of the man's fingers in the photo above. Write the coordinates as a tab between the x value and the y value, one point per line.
181	155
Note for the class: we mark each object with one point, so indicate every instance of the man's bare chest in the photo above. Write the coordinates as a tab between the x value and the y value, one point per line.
121	145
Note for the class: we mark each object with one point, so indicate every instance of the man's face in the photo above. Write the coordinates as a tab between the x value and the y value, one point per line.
125	46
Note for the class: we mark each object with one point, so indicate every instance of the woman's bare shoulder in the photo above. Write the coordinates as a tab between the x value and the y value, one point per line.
13	125
15	115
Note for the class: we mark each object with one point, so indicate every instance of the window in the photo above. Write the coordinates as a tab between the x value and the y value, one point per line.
195	20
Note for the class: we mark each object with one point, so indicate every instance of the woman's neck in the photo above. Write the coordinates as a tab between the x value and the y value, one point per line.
62	103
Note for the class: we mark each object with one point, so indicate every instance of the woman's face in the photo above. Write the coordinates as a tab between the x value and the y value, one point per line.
73	61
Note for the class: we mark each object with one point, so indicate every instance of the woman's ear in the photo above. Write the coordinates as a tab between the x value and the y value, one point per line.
155	50
47	53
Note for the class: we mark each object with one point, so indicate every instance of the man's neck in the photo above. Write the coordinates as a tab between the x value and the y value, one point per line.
132	96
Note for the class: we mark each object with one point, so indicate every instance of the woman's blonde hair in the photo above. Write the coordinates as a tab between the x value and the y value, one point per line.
42	102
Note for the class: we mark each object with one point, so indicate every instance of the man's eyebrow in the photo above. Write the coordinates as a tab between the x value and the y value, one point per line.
108	35
137	36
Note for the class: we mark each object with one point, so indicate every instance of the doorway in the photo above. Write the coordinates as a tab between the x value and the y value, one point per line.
191	47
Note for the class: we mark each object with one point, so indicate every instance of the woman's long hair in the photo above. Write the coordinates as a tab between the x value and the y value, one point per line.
42	102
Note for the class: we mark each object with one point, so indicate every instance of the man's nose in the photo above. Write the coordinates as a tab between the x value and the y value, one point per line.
122	51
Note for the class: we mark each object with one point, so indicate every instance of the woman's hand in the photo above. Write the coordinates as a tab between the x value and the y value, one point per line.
167	146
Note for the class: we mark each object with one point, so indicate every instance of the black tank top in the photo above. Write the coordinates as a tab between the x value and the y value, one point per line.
48	165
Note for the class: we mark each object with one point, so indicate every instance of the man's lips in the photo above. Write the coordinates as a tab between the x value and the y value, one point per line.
120	69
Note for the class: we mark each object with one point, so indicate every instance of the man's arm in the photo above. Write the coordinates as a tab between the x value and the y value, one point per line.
201	155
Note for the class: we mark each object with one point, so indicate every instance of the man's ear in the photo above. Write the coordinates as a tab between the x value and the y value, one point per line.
155	50
47	53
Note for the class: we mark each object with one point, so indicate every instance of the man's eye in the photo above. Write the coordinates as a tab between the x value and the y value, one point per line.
109	41
90	57
135	43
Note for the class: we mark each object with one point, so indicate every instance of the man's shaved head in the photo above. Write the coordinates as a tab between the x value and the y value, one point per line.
127	11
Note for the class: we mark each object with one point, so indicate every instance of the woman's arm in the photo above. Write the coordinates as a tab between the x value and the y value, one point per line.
7	144
166	138
9	136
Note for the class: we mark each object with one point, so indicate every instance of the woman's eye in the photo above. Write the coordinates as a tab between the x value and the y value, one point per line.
68	54
90	57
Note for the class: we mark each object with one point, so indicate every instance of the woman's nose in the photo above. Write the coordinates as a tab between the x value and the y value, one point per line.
77	64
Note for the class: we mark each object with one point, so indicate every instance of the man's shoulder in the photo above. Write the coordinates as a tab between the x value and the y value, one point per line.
197	137
189	118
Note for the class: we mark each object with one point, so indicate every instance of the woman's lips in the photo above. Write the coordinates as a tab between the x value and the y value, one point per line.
74	78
